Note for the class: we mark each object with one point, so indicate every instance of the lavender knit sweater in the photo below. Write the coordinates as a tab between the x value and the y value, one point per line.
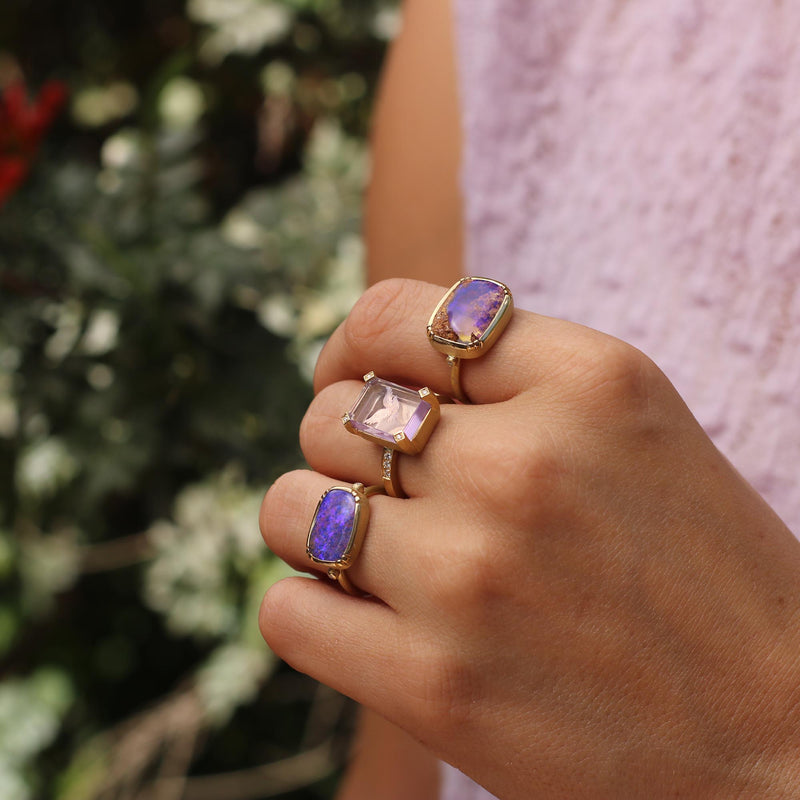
635	167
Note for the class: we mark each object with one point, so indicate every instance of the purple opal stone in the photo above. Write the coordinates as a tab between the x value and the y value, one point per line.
384	410
473	307
468	314
334	524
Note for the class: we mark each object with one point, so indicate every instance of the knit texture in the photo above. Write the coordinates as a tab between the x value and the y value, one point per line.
635	167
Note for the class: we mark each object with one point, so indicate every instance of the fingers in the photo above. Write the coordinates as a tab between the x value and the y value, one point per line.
328	447
383	565
354	645
386	333
331	450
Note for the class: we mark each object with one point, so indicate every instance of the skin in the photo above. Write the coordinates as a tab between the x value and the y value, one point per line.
581	597
413	207
389	764
580	594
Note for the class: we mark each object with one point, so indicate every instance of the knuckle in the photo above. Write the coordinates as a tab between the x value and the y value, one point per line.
612	376
483	461
537	493
532	471
622	366
375	313
469	574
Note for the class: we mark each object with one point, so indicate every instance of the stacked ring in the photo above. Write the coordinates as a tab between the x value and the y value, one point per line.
468	321
399	419
337	530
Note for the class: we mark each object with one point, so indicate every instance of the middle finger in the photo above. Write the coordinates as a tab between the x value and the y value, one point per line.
330	449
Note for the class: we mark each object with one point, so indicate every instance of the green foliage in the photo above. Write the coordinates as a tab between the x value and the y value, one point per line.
187	240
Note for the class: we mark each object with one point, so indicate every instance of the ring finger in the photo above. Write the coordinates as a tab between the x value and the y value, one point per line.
381	569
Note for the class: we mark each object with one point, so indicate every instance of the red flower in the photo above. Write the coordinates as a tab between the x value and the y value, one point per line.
23	123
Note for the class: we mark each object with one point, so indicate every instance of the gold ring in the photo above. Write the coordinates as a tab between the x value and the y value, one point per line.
399	419
468	321
337	530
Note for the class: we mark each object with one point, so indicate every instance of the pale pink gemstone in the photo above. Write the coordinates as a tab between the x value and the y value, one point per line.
385	409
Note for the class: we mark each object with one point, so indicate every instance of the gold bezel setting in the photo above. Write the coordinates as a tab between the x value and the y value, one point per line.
440	321
349	508
417	427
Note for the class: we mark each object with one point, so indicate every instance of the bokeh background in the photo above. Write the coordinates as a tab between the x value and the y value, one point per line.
180	213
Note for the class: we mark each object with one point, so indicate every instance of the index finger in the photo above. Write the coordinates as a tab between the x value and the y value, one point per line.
386	333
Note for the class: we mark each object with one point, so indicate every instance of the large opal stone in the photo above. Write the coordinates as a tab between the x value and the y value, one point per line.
384	410
333	526
468	314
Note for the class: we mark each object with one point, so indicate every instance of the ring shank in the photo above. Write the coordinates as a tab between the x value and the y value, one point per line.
340	576
391	482
455	380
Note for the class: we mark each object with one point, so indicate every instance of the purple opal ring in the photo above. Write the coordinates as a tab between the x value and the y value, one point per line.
399	419
338	528
468	321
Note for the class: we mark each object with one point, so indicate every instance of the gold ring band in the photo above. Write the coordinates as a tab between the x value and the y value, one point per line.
391	483
468	320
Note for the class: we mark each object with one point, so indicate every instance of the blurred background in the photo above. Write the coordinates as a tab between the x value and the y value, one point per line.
180	201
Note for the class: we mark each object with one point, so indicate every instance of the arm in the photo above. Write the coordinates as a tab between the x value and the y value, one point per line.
388	764
413	210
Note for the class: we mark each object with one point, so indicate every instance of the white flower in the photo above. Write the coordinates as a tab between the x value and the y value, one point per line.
231	677
241	230
99	105
66	318
101	332
122	150
277	314
240	26
12	785
214	536
181	103
387	23
278	78
318	317
48	565
30	713
44	467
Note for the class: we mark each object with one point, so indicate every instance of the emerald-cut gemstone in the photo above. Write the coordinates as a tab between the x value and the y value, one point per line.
388	411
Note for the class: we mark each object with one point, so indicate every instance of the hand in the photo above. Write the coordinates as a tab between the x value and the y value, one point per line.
580	597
